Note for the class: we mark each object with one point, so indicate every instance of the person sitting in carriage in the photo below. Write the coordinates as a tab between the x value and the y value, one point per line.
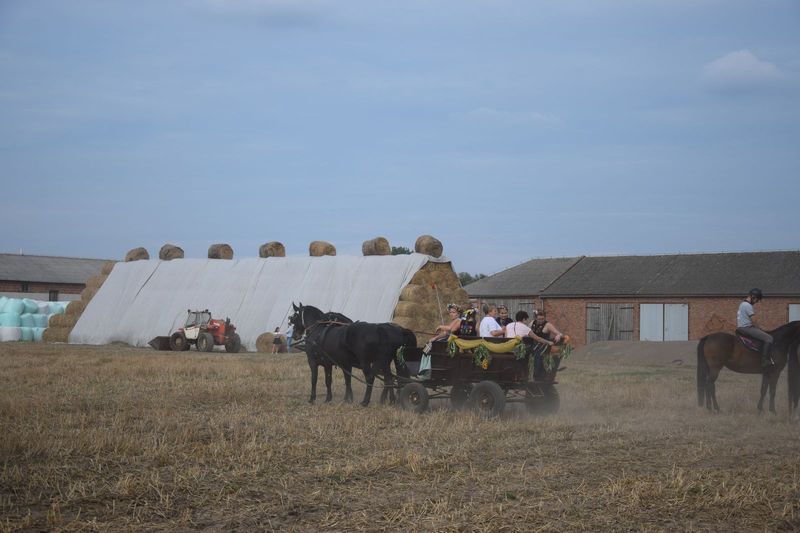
454	327
746	325
545	332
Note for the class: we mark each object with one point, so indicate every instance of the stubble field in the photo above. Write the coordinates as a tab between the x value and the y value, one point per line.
114	438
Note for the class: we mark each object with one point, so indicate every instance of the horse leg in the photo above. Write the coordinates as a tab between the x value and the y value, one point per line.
348	387
328	382
773	382
764	385
369	376
313	366
711	390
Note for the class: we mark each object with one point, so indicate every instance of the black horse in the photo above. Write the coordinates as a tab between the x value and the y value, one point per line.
312	329
333	339
719	350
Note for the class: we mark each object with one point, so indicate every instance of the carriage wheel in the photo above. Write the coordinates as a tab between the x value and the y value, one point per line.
542	399
487	398
414	397
459	395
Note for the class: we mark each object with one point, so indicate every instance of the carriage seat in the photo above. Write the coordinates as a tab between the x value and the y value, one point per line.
749	342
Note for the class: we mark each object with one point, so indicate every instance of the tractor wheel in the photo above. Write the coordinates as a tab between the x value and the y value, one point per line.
178	342
487	398
414	397
234	344
205	342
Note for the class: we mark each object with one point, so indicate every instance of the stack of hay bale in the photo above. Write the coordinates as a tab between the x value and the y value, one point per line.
26	319
60	326
419	309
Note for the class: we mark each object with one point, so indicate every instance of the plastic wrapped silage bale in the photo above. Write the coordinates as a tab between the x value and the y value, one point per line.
37	334
15	306
10	320
26	334
31	306
44	308
57	308
39	320
10	334
3	300
26	320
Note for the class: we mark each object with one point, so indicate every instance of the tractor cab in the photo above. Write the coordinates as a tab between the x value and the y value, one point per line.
197	318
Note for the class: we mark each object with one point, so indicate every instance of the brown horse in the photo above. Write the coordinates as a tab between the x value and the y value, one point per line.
720	350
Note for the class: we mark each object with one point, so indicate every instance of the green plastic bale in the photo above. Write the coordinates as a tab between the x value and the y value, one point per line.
10	320
27	334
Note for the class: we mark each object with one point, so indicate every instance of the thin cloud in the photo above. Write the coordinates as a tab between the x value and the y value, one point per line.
273	13
740	70
510	118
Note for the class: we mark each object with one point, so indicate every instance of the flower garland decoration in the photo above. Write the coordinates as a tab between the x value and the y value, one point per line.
483	357
452	347
520	351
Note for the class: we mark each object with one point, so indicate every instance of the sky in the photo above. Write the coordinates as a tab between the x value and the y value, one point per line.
509	130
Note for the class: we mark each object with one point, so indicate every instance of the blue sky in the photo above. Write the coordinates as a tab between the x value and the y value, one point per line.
507	129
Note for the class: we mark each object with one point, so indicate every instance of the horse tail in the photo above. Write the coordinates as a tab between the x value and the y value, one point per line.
793	376
702	372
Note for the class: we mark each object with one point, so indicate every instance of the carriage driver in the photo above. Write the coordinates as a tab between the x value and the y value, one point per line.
746	325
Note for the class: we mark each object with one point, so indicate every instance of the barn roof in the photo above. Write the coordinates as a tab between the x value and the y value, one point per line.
527	279
721	274
47	269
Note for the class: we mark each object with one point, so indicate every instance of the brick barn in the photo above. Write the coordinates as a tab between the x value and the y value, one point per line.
46	278
652	298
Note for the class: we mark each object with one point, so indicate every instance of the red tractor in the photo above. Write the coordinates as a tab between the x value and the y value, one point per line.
204	332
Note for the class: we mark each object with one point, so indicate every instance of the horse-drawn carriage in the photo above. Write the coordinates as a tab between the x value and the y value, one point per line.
484	374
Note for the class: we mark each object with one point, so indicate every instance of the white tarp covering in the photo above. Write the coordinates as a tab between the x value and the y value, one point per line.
144	299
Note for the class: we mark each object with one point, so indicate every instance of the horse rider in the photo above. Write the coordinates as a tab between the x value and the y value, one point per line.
746	325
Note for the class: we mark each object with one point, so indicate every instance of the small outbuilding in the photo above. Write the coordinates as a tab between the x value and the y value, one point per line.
44	277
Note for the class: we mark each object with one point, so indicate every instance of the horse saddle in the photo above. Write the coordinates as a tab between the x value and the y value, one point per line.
749	342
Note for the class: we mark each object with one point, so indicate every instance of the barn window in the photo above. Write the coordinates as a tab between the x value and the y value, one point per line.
25	287
53	297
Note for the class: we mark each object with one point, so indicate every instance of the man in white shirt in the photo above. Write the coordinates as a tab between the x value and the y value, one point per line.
746	325
489	326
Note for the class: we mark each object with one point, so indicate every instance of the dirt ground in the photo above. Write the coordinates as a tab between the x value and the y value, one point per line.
114	438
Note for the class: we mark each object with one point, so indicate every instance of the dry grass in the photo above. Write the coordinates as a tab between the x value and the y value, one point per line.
110	438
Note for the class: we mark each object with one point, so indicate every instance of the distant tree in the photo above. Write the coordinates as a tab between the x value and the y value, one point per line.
466	278
400	250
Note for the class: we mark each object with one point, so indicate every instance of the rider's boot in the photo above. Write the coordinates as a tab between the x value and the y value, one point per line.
766	355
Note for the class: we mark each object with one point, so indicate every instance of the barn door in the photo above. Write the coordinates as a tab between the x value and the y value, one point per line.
609	322
676	322
794	312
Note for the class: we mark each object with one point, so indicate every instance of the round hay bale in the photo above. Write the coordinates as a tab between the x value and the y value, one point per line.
414	293
56	334
264	343
62	321
410	309
272	249
88	293
376	246
137	254
74	308
168	252
445	280
220	251
460	296
320	248
422	277
107	268
429	245
95	282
